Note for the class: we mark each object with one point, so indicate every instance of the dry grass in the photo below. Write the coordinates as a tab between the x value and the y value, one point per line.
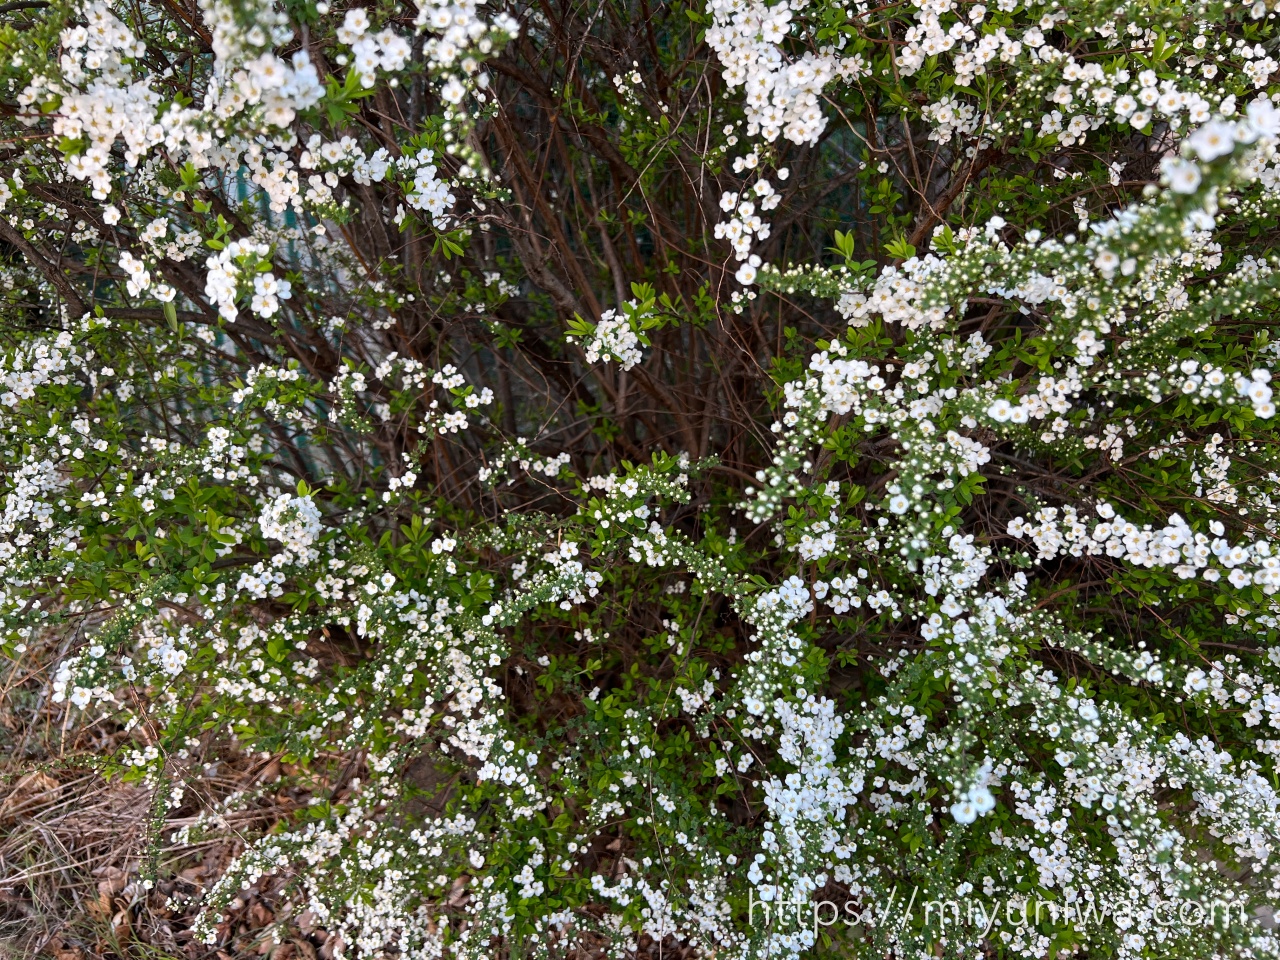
72	857
75	848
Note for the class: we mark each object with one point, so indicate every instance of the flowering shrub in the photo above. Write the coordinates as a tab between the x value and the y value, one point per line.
642	473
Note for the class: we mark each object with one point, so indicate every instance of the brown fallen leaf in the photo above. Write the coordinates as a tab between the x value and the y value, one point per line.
112	883
122	925
100	908
32	790
60	950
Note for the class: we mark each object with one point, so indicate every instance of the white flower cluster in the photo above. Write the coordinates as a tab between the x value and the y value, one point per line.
33	365
745	225
951	117
248	73
461	37
1083	95
385	50
520	454
897	296
928	37
1188	553
614	338
1051	396
977	801
226	270
293	520
1219	138
268	291
281	89
109	105
63	679
429	192
1206	381
426	191
818	540
781	94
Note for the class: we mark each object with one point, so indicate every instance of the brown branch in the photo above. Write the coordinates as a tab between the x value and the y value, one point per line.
979	163
51	271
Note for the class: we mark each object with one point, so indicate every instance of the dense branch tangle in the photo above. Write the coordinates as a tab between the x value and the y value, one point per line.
624	464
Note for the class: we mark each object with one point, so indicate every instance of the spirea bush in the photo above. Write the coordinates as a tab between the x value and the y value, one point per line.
642	471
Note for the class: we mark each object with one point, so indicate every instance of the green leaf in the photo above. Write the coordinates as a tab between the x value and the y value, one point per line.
900	249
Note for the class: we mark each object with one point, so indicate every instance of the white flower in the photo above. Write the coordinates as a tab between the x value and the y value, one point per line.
1184	176
982	800
965	811
354	24
1214	139
1000	411
453	91
1263	117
